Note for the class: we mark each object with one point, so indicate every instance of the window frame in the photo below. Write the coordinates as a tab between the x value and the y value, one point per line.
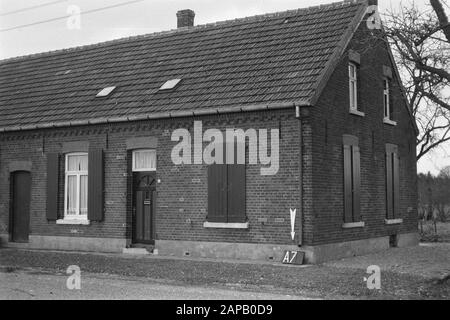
353	81
387	98
133	164
78	174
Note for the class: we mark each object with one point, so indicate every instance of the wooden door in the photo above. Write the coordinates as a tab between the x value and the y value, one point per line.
144	205
20	206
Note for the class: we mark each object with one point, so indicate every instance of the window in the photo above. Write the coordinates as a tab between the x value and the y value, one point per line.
170	84
76	186
353	84
144	160
392	182
227	194
352	180
105	92
387	100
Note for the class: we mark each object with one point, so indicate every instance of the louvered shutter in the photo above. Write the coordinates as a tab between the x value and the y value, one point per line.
95	185
52	186
348	212
396	183
217	193
236	193
389	184
356	184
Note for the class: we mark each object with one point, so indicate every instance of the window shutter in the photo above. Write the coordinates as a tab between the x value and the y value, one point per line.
356	184
389	185
95	185
396	178
217	195
236	193
52	186
348	214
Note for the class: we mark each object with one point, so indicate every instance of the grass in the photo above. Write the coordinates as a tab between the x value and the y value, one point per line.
428	233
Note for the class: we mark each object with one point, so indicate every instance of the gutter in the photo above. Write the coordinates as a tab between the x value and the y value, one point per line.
161	115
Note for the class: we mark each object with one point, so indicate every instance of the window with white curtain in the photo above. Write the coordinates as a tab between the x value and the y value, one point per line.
144	160
387	102
76	186
353	84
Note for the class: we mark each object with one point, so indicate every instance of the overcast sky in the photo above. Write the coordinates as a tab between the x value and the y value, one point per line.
135	18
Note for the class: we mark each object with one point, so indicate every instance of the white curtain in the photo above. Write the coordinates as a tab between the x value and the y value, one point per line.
145	160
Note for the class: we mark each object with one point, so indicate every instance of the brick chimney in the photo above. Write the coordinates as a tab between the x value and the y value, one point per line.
185	18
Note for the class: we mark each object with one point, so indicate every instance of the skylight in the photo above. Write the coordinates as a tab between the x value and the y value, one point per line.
105	92
170	84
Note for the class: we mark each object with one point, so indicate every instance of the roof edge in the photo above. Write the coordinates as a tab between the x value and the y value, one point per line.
162	115
183	29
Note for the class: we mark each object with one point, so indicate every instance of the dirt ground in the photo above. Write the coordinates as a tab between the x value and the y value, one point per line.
406	273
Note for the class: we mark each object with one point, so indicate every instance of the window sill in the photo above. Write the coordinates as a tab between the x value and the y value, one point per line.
393	221
357	113
73	221
220	225
353	225
389	122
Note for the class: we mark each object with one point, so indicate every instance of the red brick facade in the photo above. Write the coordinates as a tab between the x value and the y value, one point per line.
310	177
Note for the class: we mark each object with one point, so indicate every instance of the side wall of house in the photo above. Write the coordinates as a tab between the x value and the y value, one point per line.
182	193
331	119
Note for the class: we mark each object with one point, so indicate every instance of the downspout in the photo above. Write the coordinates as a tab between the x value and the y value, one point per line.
300	169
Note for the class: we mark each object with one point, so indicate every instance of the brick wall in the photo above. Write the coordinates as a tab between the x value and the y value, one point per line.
182	193
331	119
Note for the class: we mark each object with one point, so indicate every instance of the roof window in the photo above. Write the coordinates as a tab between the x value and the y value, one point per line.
105	92
170	84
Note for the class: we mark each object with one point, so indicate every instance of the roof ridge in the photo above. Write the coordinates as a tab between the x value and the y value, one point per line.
183	29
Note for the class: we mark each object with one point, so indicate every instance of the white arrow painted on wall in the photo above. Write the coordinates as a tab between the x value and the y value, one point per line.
293	213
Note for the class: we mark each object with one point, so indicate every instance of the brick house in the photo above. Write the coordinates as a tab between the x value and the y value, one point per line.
86	140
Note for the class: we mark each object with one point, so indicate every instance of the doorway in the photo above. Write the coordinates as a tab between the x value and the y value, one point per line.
144	207
20	206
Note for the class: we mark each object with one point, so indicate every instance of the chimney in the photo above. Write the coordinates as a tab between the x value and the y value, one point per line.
185	18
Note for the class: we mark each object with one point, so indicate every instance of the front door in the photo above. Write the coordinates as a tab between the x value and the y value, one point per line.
144	207
20	205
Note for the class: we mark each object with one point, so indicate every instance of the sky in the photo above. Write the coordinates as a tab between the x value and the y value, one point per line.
21	33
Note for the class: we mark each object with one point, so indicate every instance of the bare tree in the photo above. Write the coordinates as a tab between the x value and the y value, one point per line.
421	47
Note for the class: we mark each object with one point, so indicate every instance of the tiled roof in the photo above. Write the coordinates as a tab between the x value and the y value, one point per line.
267	59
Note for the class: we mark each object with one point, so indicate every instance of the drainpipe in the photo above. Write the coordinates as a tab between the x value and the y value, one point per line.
300	169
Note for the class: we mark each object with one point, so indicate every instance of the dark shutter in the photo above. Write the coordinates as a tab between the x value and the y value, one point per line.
348	214
396	184
356	184
217	193
52	186
389	185
236	193
95	185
